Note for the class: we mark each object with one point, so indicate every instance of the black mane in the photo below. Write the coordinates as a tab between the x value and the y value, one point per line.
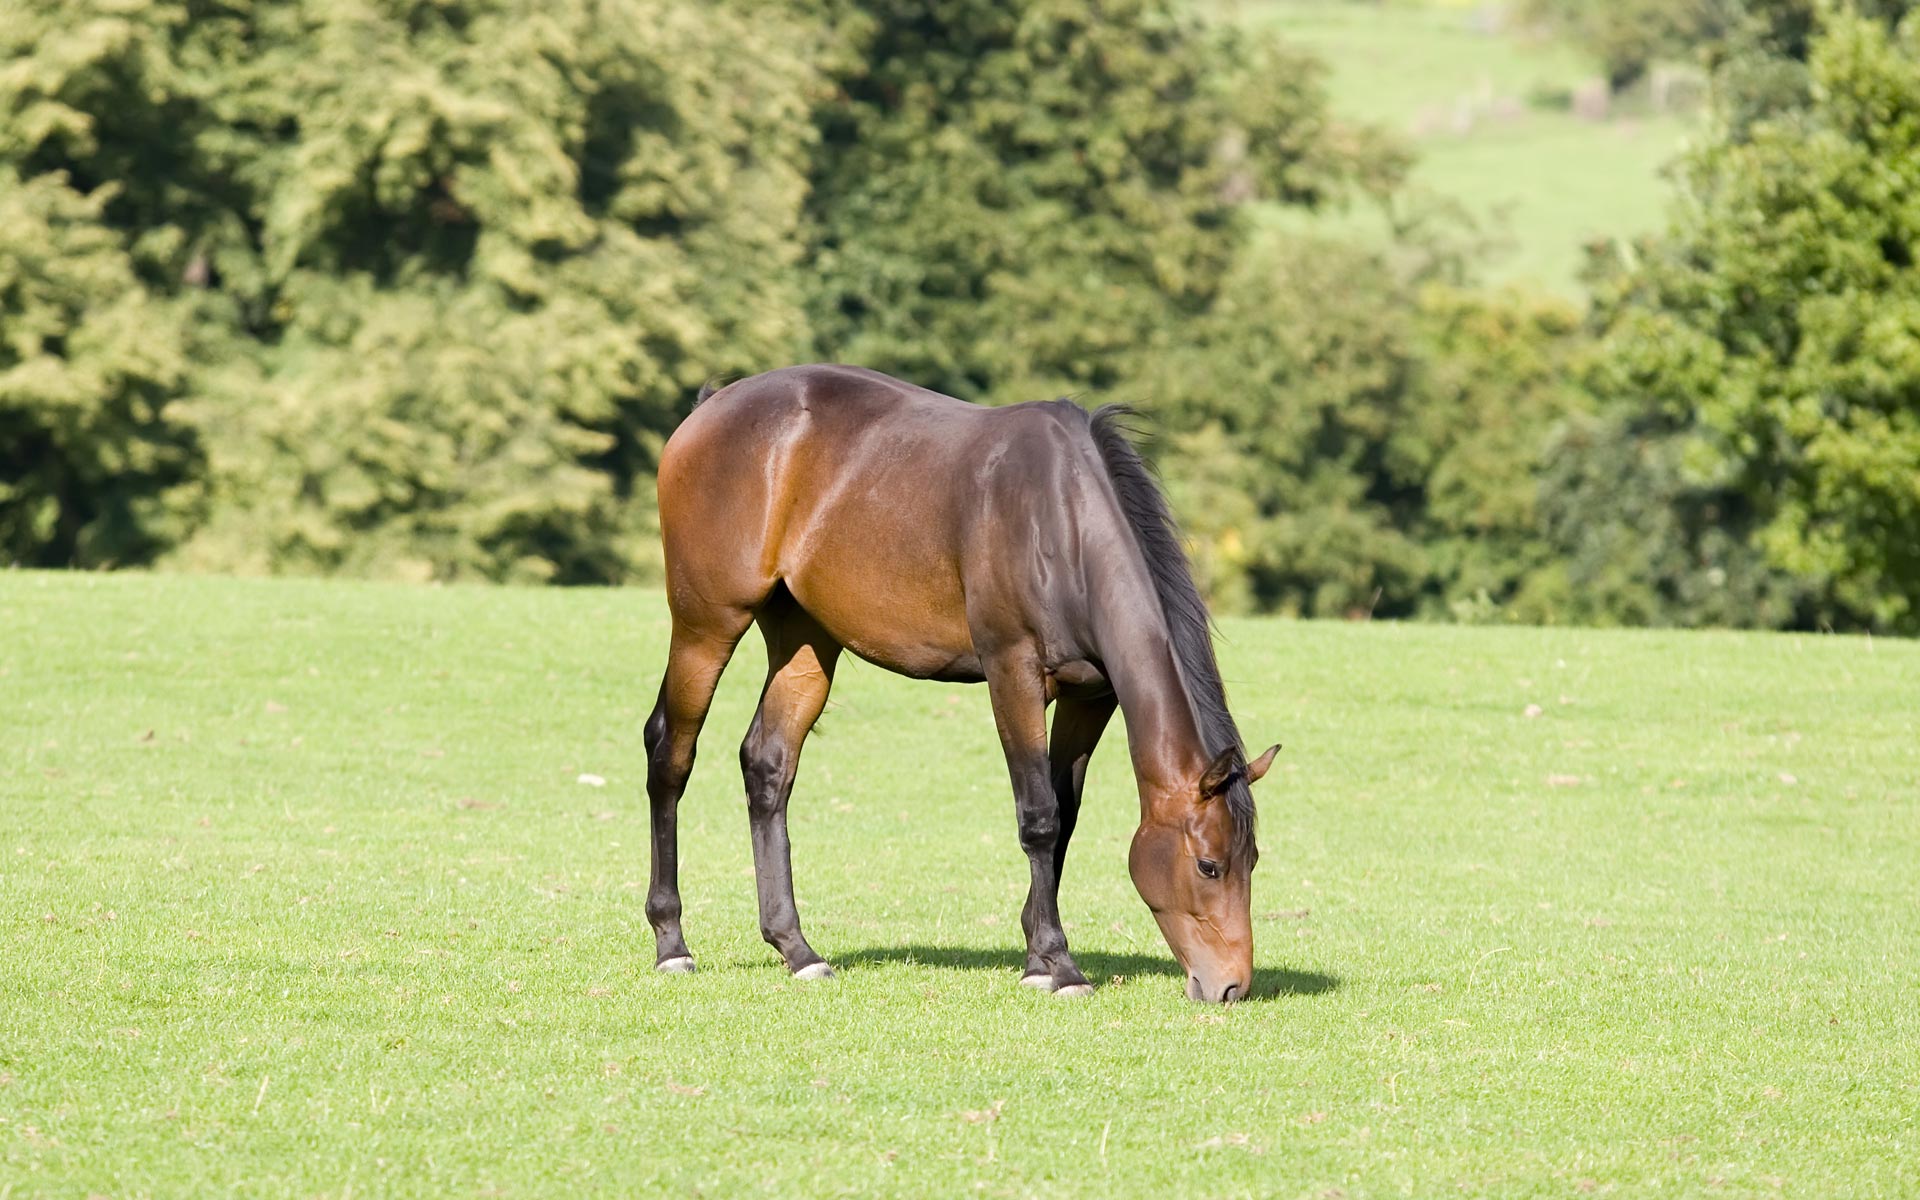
1191	628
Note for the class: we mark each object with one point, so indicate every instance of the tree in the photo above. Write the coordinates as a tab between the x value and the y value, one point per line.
1776	328
444	271
1344	438
1015	200
1496	379
94	455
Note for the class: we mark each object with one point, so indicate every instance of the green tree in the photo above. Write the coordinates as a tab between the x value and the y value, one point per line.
1014	200
1633	537
447	269
1496	380
94	455
1279	407
1776	329
1345	438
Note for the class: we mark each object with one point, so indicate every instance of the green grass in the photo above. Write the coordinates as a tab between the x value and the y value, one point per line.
1542	183
299	895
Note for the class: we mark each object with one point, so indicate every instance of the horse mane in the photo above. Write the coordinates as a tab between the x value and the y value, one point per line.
1188	622
708	388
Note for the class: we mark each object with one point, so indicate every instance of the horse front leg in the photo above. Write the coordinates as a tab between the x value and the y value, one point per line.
1078	723
1017	687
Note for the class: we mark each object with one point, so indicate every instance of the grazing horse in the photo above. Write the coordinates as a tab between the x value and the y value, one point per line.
841	509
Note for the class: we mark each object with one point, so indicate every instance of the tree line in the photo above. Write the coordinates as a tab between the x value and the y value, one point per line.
417	289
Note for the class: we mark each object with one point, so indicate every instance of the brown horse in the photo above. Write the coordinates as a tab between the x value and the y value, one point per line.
839	508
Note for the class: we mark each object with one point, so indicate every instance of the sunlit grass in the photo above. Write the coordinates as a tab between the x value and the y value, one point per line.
300	894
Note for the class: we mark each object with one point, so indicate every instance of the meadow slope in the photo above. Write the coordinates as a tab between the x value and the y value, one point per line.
1540	184
300	894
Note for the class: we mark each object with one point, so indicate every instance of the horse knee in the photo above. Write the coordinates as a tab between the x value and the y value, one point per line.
667	770
765	765
1039	831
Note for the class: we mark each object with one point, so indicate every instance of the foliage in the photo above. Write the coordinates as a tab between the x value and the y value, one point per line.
1761	60
416	288
1345	440
451	269
93	452
1776	330
1757	45
1496	382
1017	200
443	275
1284	399
1634	538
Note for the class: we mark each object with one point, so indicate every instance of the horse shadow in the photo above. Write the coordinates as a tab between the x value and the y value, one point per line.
1269	983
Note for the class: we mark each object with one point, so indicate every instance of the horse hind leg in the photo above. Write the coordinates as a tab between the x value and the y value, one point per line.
800	661
698	654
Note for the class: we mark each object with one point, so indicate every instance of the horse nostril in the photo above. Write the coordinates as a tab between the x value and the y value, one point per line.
1227	996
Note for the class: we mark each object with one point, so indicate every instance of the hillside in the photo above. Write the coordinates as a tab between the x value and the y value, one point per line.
1539	179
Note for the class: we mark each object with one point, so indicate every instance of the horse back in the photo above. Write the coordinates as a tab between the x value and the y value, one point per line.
878	505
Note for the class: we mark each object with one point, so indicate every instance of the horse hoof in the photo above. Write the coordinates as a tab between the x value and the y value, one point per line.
1075	989
675	966
817	970
1039	979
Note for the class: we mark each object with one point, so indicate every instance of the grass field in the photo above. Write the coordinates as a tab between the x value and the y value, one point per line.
1542	183
300	895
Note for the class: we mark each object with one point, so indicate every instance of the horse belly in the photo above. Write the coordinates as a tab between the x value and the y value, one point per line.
887	589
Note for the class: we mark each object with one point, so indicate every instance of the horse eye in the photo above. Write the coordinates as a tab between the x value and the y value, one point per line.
1210	868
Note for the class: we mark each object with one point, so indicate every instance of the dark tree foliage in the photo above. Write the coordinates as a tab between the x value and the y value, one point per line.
402	287
1346	441
1014	200
416	288
93	457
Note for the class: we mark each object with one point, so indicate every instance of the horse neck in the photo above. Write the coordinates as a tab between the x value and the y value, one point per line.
1136	649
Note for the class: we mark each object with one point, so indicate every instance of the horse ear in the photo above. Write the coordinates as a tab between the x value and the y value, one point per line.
1257	769
1219	773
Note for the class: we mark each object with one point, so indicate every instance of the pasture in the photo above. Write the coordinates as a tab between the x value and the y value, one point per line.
301	893
1540	183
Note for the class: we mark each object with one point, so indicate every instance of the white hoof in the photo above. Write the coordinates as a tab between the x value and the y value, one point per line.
676	966
1075	989
817	970
1039	980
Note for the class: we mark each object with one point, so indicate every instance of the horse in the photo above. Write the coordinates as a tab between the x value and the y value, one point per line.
1026	547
